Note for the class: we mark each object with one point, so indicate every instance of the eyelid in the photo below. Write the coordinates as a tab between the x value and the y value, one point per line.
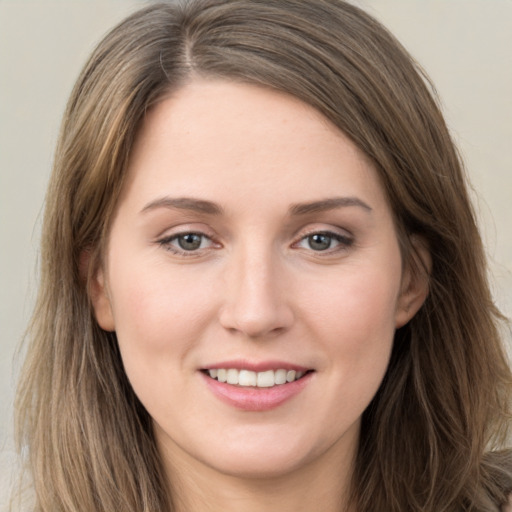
328	229
182	228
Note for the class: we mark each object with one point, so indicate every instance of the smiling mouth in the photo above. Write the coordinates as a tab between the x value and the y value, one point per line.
248	378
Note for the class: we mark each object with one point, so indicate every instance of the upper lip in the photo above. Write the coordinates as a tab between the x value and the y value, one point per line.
256	366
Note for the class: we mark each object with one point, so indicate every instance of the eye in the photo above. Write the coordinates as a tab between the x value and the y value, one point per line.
186	242
190	241
324	241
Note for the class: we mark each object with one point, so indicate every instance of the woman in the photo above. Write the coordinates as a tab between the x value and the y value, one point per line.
262	283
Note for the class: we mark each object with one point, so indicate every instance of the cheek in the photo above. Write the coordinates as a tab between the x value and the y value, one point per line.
356	329
160	318
157	308
358	303
355	320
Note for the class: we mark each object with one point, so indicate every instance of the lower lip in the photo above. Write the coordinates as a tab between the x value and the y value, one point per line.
256	399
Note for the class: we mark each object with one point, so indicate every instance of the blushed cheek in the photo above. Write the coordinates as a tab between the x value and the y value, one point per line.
364	347
357	317
159	311
150	340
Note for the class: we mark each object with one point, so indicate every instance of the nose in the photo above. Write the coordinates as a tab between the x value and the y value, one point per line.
255	296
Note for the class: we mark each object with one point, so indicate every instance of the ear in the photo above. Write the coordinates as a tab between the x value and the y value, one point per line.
98	292
415	281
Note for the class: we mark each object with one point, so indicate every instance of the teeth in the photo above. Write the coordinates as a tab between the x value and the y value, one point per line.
247	378
280	377
266	379
232	376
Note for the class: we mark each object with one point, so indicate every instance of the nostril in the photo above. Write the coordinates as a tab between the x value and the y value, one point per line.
258	324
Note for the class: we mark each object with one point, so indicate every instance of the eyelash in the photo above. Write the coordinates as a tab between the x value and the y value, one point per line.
343	241
166	243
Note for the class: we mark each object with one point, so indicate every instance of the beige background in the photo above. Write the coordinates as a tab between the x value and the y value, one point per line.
465	46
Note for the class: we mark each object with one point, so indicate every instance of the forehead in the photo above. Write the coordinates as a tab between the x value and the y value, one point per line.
212	138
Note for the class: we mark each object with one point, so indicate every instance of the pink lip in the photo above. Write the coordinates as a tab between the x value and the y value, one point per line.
262	366
255	399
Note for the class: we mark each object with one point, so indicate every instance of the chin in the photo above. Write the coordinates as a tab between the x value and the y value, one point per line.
259	467
267	456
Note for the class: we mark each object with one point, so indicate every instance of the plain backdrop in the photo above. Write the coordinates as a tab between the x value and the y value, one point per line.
464	45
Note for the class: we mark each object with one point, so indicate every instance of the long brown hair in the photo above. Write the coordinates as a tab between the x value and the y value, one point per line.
429	436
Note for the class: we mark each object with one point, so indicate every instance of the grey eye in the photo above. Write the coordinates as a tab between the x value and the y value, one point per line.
189	241
319	241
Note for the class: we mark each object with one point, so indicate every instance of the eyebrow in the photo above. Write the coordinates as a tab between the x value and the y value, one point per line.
331	203
184	203
210	208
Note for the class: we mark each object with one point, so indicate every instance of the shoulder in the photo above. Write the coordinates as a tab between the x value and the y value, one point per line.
507	507
496	467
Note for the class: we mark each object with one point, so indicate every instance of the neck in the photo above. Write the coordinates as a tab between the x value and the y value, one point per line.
325	481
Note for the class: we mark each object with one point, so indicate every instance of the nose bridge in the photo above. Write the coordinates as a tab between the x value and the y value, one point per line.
255	300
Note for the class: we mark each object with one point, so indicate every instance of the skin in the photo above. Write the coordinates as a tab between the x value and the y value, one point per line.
256	289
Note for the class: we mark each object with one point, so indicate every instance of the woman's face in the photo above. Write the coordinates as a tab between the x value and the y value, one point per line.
254	243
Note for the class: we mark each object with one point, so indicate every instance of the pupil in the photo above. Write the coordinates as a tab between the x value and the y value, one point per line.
190	241
319	242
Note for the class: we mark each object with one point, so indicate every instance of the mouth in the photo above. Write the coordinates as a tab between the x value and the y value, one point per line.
253	379
256	386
